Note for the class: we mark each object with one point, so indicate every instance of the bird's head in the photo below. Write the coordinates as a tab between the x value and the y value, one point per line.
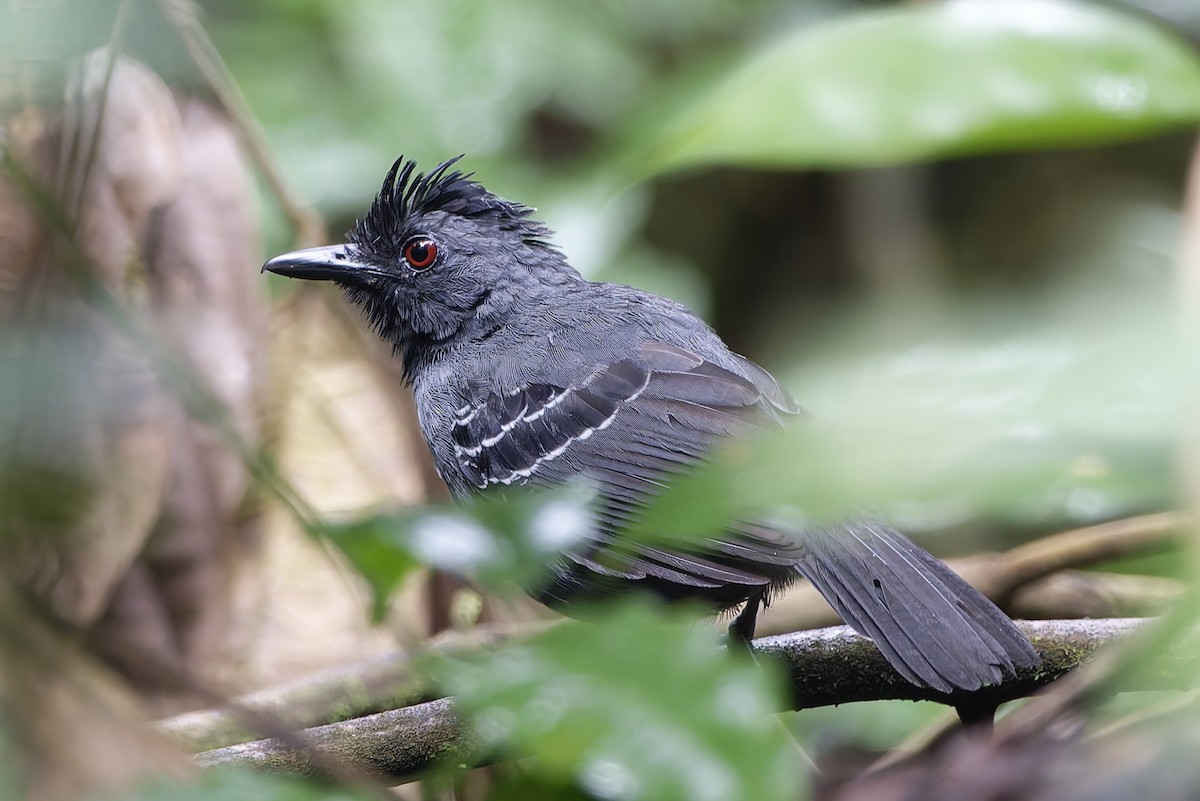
436	258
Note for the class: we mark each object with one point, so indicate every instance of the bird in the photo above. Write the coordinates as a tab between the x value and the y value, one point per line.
526	374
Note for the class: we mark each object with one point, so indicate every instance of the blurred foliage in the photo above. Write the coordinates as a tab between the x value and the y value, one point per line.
1024	73
497	541
1065	422
1051	404
241	785
634	705
877	726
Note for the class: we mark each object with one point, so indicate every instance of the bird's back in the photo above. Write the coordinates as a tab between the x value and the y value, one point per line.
626	390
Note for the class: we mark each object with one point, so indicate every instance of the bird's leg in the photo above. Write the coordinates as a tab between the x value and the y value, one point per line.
978	717
741	630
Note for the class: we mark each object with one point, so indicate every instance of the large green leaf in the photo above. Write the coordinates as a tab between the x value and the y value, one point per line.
1050	415
928	81
501	540
632	706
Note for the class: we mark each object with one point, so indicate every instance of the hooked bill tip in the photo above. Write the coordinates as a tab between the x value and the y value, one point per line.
329	263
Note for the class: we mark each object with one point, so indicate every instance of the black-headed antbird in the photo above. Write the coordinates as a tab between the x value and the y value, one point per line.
524	372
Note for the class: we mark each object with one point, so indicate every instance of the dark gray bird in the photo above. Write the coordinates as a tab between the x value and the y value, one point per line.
525	373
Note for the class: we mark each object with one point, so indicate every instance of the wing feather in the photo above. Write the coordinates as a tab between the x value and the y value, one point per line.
629	426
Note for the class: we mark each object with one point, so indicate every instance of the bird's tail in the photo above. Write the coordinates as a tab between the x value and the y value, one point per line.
936	629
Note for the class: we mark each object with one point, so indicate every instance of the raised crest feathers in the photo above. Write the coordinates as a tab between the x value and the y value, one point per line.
407	195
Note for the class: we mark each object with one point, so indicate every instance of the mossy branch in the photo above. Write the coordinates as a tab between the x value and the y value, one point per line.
827	666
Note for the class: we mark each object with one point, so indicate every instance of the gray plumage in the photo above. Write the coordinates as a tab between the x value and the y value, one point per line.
525	373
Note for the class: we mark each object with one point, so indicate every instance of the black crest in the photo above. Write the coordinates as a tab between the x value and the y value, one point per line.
406	196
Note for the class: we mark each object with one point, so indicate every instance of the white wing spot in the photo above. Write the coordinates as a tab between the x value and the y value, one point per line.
555	400
466	414
551	455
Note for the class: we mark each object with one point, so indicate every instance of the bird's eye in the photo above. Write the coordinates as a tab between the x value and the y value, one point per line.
420	252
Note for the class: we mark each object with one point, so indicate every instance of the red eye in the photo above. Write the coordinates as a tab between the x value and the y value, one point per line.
420	252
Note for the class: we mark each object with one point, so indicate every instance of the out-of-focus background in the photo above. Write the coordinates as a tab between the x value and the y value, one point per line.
954	231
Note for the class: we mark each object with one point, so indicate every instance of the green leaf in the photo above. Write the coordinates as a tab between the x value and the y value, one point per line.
238	785
1062	414
377	548
877	726
928	81
632	706
501	540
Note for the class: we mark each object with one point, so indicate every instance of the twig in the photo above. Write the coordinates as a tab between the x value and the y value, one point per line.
177	375
1076	593
440	586
919	742
400	743
830	666
1188	277
1087	546
1169	637
114	53
1168	706
381	683
332	696
309	228
999	576
836	666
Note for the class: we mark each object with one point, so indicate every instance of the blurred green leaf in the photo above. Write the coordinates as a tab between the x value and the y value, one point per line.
521	785
12	766
928	81
1025	414
378	548
240	785
499	540
632	706
874	725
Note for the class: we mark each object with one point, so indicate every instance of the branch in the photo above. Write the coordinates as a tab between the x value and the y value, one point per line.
1086	546
1077	594
836	666
397	744
335	695
384	683
829	666
183	15
1000	575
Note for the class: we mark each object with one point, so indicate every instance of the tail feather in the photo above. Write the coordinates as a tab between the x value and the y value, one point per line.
911	638
933	627
899	650
961	654
996	625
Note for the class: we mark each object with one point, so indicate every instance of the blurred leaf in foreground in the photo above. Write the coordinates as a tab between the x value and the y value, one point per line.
241	785
632	705
500	540
925	81
1045	412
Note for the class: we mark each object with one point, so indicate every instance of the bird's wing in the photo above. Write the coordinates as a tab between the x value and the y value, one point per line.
628	426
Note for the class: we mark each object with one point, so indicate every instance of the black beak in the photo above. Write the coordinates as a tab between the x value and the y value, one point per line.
329	263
